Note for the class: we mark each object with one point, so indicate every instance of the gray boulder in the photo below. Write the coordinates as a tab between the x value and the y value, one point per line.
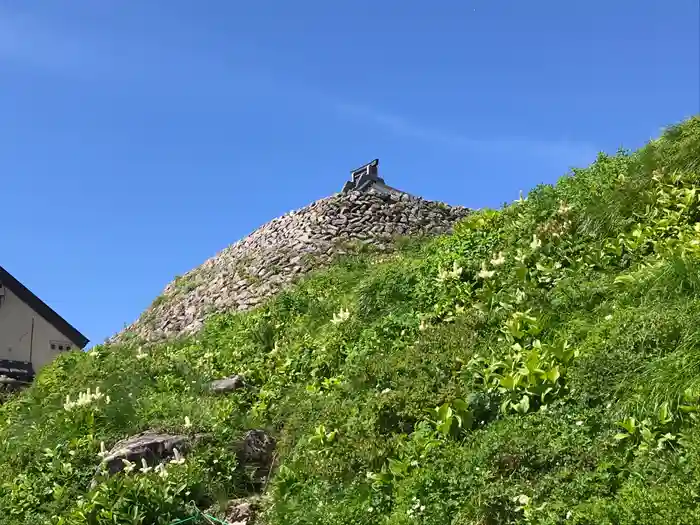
240	512
256	455
153	447
226	385
257	448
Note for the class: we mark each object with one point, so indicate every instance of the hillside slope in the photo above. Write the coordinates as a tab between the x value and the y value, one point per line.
539	365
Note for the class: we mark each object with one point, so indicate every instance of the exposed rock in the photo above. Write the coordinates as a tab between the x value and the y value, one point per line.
256	455
228	384
240	512
285	249
150	446
8	387
257	448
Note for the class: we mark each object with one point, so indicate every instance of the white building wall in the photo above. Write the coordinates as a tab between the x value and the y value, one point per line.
17	339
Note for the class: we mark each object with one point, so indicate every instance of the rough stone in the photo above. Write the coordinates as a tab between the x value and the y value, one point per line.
256	456
151	446
240	512
228	384
257	448
282	251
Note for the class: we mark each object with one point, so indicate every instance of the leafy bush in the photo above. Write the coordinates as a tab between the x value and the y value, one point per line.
539	365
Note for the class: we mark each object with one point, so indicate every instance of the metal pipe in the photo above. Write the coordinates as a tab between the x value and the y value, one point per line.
31	344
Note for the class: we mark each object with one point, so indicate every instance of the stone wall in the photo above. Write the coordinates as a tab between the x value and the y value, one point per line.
276	254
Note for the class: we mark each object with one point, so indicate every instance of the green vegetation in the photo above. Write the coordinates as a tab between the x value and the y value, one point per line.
185	283
158	301
540	365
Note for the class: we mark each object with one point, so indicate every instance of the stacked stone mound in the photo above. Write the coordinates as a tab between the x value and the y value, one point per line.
279	252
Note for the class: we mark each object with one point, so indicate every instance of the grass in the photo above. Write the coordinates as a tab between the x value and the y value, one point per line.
539	365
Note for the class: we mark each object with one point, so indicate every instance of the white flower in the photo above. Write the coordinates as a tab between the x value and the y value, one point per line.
608	317
341	316
188	423
84	398
523	499
563	208
416	507
579	423
140	354
454	274
499	260
103	451
536	243
178	459
161	470
145	469
484	273
128	465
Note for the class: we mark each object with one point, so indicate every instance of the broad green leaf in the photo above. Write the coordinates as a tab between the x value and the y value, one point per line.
397	468
461	405
445	412
544	394
629	424
510	381
523	406
664	414
553	374
533	361
505	404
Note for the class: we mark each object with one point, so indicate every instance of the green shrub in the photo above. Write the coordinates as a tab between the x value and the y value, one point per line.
538	365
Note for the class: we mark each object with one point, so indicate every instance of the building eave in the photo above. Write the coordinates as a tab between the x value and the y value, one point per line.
42	309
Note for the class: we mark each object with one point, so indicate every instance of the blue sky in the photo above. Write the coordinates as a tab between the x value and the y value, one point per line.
140	138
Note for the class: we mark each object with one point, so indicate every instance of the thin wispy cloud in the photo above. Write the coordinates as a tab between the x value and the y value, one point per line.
546	149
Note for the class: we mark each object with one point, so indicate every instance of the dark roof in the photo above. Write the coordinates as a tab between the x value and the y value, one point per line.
381	187
366	178
42	308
